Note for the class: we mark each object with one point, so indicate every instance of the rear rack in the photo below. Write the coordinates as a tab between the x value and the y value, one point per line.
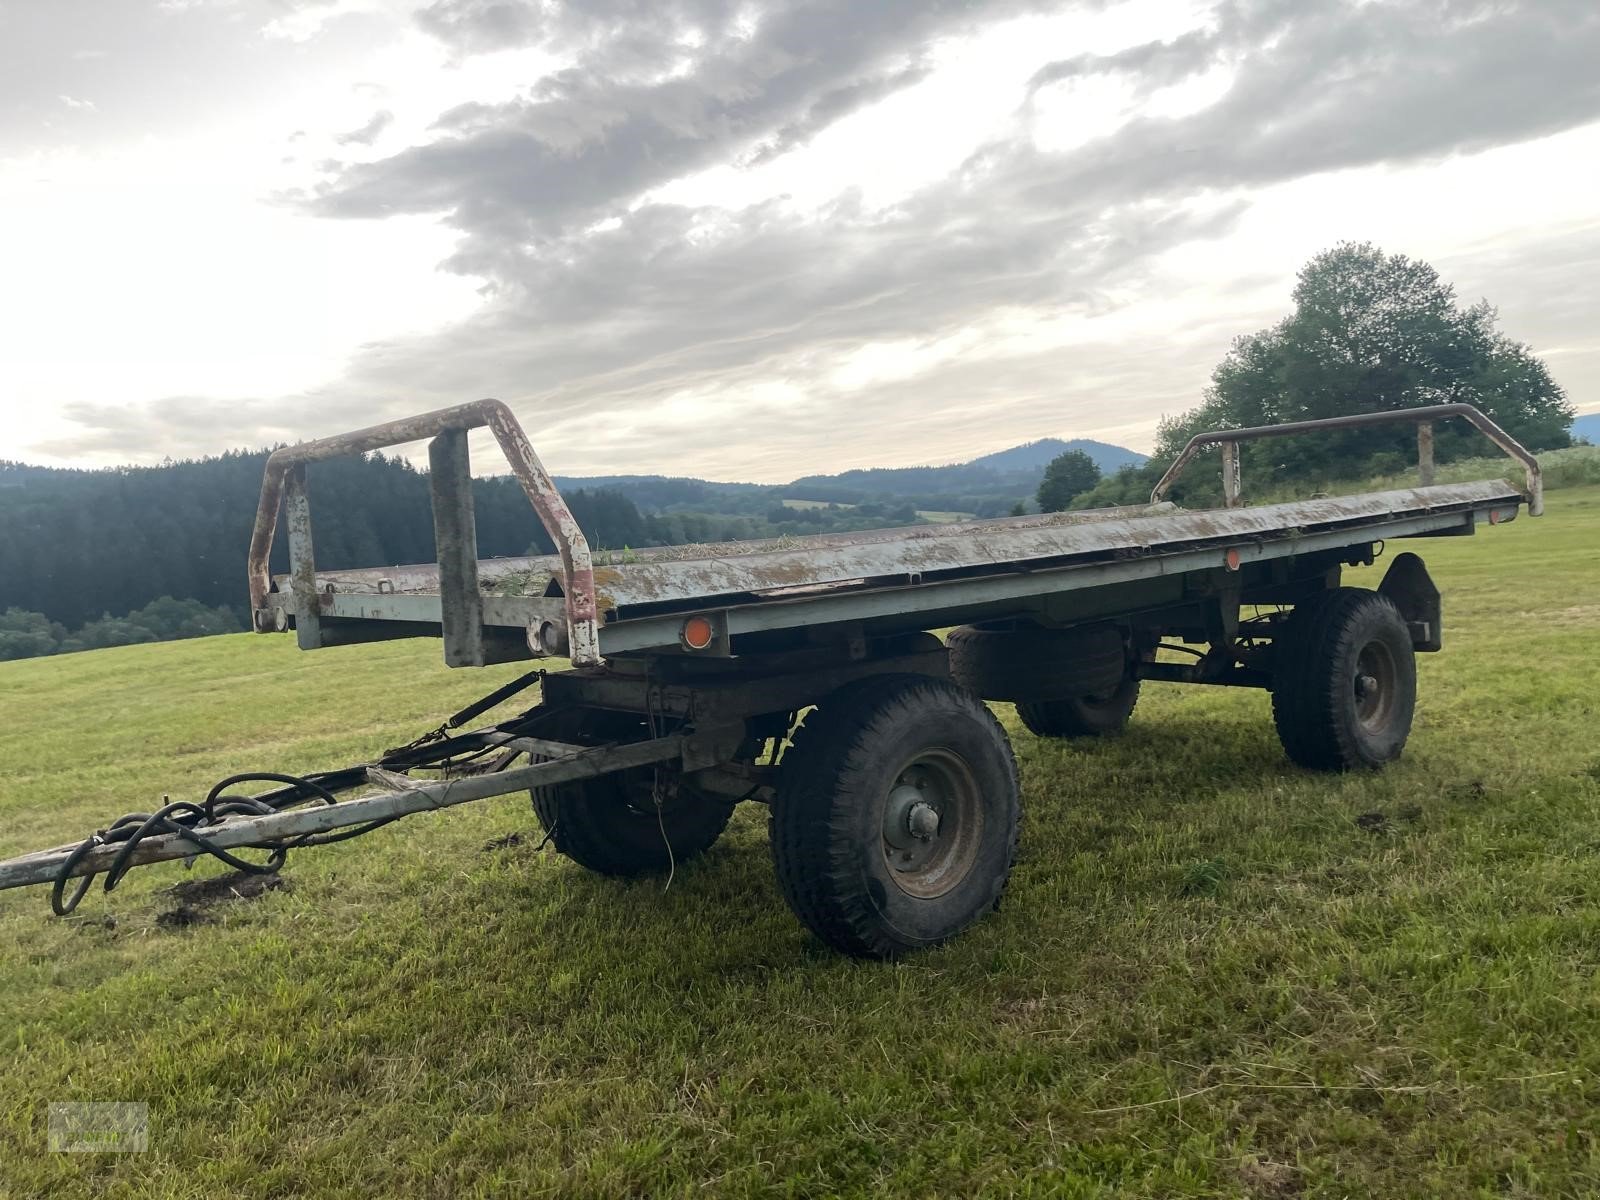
455	532
1422	418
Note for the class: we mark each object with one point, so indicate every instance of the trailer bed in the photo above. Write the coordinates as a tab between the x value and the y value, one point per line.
907	577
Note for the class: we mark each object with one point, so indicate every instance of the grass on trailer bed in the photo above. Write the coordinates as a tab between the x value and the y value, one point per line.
1214	974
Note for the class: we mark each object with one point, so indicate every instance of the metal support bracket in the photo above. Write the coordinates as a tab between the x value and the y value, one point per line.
455	539
1414	593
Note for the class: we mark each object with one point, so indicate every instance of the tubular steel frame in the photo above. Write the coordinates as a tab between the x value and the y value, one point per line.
1422	418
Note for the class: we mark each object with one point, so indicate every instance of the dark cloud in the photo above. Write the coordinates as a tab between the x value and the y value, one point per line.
369	132
642	107
617	37
1329	84
1151	64
834	105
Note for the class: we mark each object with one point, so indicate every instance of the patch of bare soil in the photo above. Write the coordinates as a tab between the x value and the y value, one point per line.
197	898
1270	1180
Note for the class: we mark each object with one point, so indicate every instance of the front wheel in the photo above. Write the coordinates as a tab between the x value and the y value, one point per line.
895	820
1344	684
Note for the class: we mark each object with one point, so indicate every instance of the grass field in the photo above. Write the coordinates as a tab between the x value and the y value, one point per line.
1214	975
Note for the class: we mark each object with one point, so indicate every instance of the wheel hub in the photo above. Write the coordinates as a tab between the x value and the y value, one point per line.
910	825
932	821
1374	686
923	821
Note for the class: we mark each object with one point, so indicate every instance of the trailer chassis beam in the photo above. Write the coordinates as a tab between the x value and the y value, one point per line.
402	797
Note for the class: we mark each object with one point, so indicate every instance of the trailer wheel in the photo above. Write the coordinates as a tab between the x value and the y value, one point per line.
1083	716
1344	681
895	821
623	823
1030	663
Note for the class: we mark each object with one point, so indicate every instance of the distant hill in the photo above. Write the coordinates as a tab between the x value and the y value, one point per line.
1036	455
1588	428
986	486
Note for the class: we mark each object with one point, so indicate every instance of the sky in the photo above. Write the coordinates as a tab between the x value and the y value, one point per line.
749	240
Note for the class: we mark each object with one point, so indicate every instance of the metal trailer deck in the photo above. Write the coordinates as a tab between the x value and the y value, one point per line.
917	577
894	804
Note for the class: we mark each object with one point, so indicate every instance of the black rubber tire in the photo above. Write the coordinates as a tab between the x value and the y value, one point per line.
1031	663
1082	716
610	824
1326	651
827	825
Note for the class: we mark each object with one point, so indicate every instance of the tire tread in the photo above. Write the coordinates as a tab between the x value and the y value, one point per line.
810	822
1307	696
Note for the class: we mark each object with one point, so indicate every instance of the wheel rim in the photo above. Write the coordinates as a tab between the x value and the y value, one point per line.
639	791
932	824
1374	687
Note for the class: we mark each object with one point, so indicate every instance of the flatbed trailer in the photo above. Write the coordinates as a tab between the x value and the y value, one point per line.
803	673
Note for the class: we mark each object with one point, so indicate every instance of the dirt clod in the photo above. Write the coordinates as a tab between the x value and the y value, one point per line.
196	897
182	917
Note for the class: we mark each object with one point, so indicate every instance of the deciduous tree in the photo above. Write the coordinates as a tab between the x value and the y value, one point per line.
1067	476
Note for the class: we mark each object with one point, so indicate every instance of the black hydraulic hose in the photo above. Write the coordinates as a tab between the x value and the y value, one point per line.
435	751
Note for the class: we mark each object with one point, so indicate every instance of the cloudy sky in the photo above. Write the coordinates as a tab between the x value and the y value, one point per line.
748	239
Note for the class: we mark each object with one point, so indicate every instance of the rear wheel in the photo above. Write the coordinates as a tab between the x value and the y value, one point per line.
1344	681
1082	716
1065	682
895	820
1028	663
632	822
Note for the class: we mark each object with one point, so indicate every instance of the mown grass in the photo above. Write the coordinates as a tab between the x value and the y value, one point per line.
1214	974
